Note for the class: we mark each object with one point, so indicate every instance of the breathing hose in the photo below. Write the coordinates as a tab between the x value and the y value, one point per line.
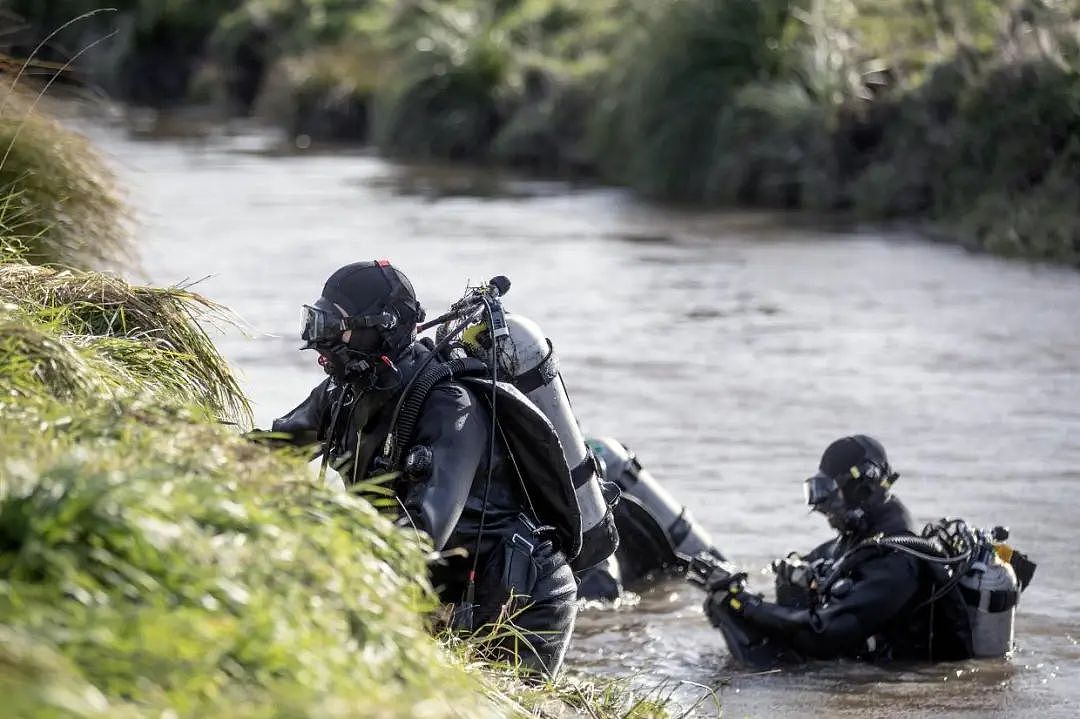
404	426
902	543
392	447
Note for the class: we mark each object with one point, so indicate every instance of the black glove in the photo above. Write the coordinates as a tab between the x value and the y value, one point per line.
794	571
271	439
728	595
283	440
722	581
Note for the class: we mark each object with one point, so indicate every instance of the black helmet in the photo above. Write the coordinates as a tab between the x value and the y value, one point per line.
853	475
375	303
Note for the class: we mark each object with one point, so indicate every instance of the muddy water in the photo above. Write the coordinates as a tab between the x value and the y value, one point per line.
727	349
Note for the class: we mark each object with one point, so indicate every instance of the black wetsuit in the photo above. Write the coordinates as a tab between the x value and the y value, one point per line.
884	615
517	557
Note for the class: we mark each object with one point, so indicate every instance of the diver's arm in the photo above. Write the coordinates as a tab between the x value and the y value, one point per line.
881	587
455	431
304	425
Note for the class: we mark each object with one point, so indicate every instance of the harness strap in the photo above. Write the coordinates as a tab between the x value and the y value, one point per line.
680	528
585	471
400	435
540	375
998	600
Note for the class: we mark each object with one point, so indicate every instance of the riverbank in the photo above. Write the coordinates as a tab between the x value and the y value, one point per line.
964	115
154	561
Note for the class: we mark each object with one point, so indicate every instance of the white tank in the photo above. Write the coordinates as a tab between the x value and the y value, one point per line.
991	591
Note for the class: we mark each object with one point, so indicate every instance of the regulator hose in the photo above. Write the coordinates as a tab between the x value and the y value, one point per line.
908	544
470	590
389	446
405	426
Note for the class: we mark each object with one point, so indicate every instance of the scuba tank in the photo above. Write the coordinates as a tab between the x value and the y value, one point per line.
533	446
527	359
977	584
657	532
991	591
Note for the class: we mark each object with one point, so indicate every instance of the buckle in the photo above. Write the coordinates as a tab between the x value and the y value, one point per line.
535	529
518	538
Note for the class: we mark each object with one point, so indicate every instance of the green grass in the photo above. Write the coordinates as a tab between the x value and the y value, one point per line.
177	566
965	114
959	113
148	50
133	333
324	93
992	160
476	81
670	99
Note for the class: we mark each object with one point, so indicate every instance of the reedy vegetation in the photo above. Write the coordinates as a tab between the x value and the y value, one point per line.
153	562
965	113
59	199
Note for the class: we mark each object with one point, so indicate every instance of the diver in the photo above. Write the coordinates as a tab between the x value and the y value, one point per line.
495	496
880	590
657	536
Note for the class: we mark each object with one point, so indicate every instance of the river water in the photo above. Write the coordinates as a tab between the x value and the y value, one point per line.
728	349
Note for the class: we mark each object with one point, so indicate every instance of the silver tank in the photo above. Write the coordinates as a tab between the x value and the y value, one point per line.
994	584
527	356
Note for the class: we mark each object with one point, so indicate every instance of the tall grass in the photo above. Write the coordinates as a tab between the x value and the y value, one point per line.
57	195
155	49
180	568
453	81
702	105
474	80
881	106
308	65
140	337
962	113
324	93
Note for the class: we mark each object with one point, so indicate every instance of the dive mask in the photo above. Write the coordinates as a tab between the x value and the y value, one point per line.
823	495
323	324
319	326
820	491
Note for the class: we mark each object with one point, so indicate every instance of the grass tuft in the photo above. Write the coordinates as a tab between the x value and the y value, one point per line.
35	364
56	192
147	333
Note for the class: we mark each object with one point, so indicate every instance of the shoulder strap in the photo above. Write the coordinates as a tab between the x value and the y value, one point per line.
403	430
